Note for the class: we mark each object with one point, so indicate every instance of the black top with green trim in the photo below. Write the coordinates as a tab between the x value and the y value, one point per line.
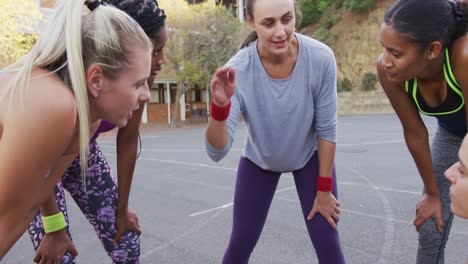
450	113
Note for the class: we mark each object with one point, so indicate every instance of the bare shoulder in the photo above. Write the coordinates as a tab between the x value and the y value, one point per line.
45	100
50	92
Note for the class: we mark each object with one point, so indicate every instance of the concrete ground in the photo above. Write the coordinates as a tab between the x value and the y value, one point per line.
184	201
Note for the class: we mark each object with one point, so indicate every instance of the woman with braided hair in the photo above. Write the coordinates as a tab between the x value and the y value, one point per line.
53	98
105	204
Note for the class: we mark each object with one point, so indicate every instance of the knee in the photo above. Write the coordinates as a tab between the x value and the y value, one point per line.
128	249
429	237
125	256
68	259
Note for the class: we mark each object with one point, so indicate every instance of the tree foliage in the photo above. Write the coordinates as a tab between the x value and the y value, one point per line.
18	26
314	10
203	38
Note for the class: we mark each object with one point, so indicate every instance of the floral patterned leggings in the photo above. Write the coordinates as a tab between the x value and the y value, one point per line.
99	205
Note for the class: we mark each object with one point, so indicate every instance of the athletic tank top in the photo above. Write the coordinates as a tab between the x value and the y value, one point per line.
105	126
450	113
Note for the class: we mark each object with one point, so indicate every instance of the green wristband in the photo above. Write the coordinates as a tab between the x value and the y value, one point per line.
54	222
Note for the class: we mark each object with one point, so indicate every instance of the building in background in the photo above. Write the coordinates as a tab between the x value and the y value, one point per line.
238	7
193	105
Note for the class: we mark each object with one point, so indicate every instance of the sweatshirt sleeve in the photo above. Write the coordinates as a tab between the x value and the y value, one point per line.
325	103
234	114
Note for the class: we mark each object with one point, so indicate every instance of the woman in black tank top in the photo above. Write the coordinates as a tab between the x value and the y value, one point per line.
425	51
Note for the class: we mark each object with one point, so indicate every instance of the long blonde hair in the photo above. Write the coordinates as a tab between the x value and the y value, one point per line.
69	44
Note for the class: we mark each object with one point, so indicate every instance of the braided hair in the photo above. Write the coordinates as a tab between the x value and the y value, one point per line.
145	12
425	21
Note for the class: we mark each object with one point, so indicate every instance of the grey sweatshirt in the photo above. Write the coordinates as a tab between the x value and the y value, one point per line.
283	117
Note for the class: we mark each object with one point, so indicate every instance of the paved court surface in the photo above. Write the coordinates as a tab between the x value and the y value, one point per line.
184	202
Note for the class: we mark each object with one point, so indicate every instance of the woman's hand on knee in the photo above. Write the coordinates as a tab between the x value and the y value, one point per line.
429	206
326	204
53	247
126	221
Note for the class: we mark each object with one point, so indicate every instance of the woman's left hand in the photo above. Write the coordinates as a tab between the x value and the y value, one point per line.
326	204
126	221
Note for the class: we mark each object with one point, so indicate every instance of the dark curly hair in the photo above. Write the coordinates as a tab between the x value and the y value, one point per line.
146	12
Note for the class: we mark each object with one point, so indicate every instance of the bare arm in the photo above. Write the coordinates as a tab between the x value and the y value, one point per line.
127	147
34	139
417	141
415	132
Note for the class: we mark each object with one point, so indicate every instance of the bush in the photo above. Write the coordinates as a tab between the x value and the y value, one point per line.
311	11
369	81
321	34
344	85
359	5
330	21
338	3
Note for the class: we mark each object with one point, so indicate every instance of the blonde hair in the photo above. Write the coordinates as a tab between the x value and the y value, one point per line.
70	43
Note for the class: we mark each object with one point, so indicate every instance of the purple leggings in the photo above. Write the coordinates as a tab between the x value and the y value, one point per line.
255	188
98	204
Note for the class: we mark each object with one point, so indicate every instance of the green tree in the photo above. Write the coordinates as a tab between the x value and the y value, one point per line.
203	38
18	28
360	5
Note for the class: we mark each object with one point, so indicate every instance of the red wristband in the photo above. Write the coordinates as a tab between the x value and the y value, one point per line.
220	113
324	184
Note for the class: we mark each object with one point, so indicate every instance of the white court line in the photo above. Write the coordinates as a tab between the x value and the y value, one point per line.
182	150
184	163
372	216
230	204
212	209
379	188
389	227
193	229
370	143
169	150
357	213
143	137
239	149
234	169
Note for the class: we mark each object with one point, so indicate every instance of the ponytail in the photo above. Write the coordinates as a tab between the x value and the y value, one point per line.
250	38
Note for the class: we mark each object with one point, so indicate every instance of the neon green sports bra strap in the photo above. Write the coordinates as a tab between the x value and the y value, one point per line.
449	76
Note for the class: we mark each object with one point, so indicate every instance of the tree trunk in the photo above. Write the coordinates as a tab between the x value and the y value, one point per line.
181	90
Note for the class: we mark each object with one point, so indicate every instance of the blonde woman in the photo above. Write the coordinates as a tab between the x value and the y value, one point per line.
83	68
104	203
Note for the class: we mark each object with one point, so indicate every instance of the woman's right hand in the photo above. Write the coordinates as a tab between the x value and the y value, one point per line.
223	85
429	207
53	247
